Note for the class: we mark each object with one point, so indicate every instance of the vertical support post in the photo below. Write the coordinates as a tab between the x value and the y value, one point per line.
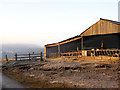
29	56
101	54
102	45
94	53
15	56
6	57
59	50
33	52
77	51
82	43
44	52
41	56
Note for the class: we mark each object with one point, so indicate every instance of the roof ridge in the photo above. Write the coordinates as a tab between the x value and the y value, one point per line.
110	21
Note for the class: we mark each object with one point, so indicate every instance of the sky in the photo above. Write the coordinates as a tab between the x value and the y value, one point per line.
44	22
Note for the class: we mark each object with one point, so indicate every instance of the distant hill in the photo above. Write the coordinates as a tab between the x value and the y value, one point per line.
11	49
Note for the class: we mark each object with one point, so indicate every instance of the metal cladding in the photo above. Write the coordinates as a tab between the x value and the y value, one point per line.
103	26
110	41
104	32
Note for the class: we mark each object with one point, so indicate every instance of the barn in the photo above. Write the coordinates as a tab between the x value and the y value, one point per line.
103	35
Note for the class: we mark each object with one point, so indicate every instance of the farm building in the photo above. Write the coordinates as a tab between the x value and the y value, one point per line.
103	35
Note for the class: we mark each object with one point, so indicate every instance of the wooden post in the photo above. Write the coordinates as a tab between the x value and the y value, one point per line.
82	43
102	45
33	52
44	52
59	50
101	54
77	51
6	57
29	56
41	56
15	56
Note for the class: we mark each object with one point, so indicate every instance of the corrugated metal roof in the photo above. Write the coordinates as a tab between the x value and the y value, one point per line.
69	38
65	40
51	44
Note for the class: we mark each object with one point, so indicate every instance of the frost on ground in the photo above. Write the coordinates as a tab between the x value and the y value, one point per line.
65	74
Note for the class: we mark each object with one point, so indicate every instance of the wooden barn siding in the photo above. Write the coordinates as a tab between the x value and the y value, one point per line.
70	46
52	49
119	29
90	42
110	41
65	46
102	27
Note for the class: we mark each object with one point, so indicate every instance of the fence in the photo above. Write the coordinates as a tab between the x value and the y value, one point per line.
71	54
30	56
93	53
104	52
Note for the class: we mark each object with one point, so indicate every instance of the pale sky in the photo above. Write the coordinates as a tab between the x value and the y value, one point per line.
50	21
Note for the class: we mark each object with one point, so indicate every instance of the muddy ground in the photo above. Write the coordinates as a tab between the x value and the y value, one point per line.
65	74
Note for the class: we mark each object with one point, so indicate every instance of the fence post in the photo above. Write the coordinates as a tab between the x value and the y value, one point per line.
41	56
29	56
94	54
6	57
16	56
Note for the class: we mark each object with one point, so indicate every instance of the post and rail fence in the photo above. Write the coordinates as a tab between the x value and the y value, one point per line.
78	54
88	53
29	56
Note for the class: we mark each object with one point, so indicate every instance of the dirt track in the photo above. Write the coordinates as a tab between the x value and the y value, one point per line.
65	74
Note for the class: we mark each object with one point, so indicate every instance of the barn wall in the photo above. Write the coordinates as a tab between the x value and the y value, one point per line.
51	52
110	41
70	46
102	27
90	42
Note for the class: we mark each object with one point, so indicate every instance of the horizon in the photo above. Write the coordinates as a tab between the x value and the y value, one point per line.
44	22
